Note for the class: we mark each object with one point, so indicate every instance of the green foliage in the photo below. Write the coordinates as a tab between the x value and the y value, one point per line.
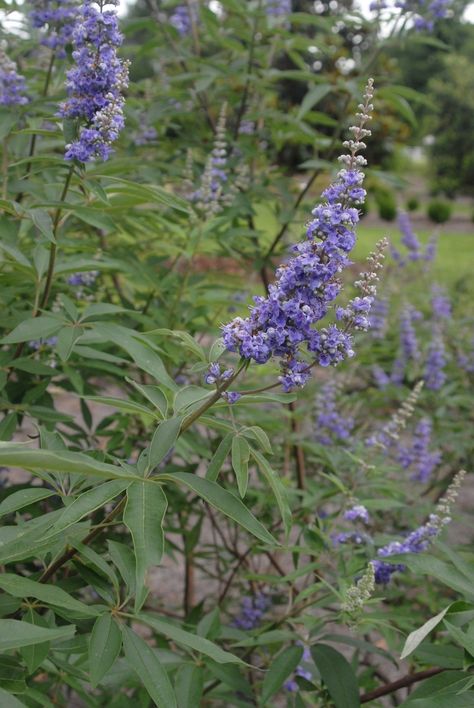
386	204
439	211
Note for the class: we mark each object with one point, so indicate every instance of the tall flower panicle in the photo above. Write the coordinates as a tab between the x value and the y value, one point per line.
278	8
209	197
408	339
466	359
331	425
182	18
418	456
431	248
424	13
96	84
56	18
409	239
440	303
390	432
435	375
357	512
379	317
419	540
281	323
12	84
359	593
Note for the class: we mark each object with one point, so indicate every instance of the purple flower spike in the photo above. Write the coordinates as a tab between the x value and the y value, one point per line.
95	85
281	323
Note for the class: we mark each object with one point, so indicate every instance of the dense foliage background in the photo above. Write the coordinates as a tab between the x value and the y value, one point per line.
177	528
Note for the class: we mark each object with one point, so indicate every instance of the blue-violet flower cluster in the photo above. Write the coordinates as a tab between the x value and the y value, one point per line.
331	425
252	609
306	285
56	18
418	456
12	84
417	541
96	83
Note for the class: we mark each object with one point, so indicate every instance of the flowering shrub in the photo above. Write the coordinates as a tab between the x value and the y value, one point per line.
204	503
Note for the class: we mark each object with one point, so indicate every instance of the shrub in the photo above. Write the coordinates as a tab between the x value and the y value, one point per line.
386	205
413	204
439	211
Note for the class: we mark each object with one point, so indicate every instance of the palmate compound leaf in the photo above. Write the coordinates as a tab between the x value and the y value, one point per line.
49	594
144	513
61	461
144	661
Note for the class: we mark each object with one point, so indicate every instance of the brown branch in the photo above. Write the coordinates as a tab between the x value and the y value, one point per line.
403	682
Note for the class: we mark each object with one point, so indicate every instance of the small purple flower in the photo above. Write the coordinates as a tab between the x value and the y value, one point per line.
182	18
409	238
466	359
252	610
356	512
231	396
215	375
356	537
83	279
47	343
278	8
146	135
12	84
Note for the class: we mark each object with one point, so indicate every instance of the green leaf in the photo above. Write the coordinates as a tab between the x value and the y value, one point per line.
33	328
49	594
35	654
88	502
154	394
104	647
43	222
338	675
187	639
122	404
240	463
222	500
63	462
15	634
280	668
143	516
460	637
416	637
445	572
147	192
313	97
163	440
144	661
277	488
22	498
219	457
189	685
9	701
143	356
